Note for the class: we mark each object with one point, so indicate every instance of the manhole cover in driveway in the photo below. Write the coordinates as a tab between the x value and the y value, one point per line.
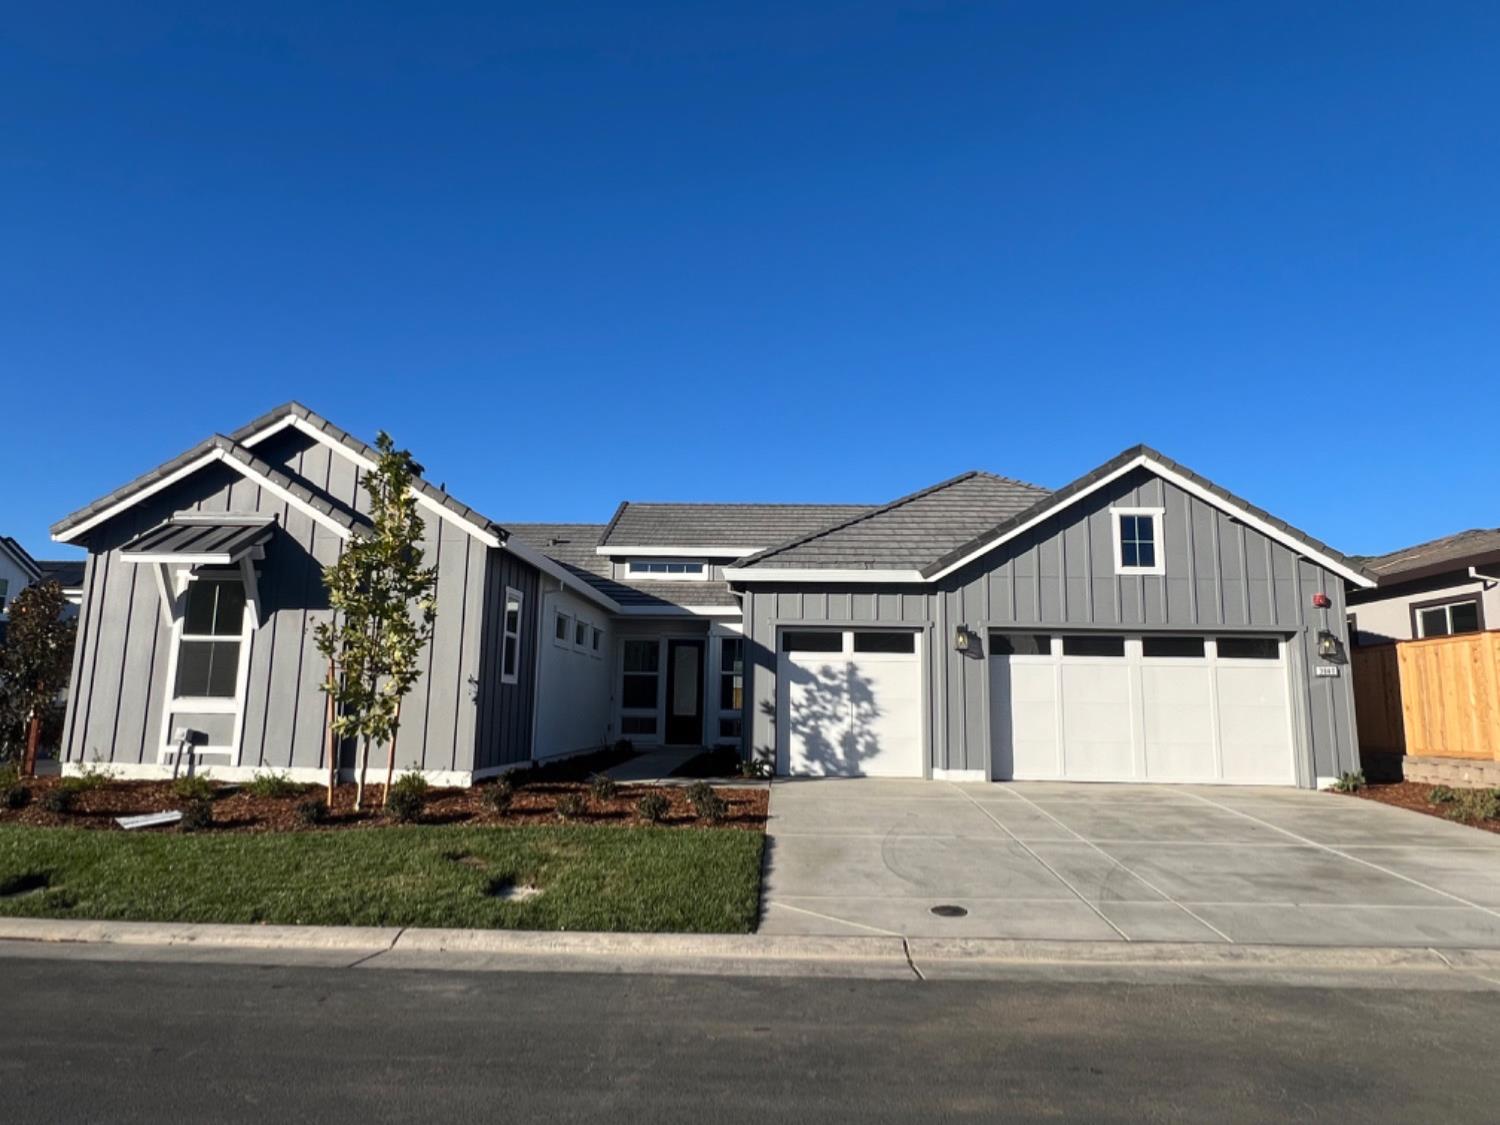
948	910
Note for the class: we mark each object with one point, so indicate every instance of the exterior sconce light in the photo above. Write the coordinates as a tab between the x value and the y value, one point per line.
961	637
1328	645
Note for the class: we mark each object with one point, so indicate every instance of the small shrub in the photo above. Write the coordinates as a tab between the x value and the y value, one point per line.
499	794
603	788
652	808
92	776
1475	804
1442	795
16	796
194	787
755	767
197	814
273	785
407	796
571	806
706	803
1350	782
311	811
60	798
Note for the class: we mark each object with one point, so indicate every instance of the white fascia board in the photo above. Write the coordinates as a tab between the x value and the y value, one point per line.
24	562
788	574
220	558
569	581
681	552
680	611
1189	486
297	422
208	458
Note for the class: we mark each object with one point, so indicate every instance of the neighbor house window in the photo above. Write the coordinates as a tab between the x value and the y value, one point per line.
1448	618
510	646
664	568
208	655
1138	540
562	623
731	687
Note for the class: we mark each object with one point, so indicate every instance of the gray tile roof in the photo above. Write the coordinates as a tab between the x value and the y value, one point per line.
341	515
67	573
1059	498
1451	551
750	526
909	533
364	449
572	545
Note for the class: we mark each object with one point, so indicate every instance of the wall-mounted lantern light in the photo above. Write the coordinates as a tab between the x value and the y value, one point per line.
1328	645
961	637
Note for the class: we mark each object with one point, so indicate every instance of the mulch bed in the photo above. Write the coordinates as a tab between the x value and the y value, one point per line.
1413	795
535	803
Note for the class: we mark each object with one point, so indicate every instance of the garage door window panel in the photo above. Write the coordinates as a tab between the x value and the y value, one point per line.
869	641
1094	645
1173	648
1249	648
812	641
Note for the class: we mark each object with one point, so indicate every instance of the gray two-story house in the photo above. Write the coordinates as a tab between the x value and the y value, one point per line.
1138	624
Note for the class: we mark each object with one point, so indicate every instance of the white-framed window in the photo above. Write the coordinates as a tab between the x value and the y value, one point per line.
596	644
731	687
209	660
640	686
678	569
1138	540
510	644
562	628
580	633
1461	615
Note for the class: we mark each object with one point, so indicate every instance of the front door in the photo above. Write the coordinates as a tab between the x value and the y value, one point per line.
684	693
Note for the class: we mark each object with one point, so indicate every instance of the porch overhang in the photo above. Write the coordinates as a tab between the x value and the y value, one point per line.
188	541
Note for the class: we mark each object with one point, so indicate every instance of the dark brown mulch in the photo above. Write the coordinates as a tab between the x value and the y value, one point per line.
1413	795
534	803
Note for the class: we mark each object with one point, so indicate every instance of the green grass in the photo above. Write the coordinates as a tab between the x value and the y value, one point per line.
636	879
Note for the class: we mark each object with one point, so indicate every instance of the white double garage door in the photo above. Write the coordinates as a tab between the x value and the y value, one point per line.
1141	708
1082	707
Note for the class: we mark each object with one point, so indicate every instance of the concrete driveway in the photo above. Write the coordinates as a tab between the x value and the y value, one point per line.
1052	860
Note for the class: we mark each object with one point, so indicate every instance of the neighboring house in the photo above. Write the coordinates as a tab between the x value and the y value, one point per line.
19	570
1139	624
1450	585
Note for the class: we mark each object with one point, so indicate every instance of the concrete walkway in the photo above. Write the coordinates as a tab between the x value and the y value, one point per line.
1117	863
654	766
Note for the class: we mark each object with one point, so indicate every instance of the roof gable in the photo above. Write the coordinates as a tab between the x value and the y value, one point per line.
1450	551
21	556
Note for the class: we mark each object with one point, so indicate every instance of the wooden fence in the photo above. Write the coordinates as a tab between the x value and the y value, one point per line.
1377	698
1449	696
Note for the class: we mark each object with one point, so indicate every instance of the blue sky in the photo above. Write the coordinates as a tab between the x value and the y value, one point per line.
803	251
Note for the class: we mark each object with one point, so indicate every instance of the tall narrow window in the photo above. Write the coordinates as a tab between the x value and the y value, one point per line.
510	646
639	686
731	687
208	657
1138	546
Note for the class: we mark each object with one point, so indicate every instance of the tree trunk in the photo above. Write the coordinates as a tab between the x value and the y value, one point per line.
330	749
33	737
364	764
390	762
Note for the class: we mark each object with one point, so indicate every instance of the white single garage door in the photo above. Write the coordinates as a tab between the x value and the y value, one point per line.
849	703
1094	707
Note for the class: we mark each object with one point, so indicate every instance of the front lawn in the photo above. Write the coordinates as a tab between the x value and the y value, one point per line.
588	878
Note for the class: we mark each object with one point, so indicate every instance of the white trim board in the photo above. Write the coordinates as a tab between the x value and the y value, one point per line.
814	574
681	552
208	457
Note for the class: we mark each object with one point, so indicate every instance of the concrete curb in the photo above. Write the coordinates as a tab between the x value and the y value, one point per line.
741	954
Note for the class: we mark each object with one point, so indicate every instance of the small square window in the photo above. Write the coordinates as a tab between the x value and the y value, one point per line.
560	628
581	633
598	639
1138	540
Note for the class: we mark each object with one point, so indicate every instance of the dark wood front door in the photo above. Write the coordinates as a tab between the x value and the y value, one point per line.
684	693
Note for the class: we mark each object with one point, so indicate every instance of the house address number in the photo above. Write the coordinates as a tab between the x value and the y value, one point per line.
1326	670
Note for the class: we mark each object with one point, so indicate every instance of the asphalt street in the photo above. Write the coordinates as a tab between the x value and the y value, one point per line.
121	1042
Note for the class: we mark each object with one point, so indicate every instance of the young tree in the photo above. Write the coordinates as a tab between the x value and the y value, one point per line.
35	661
384	606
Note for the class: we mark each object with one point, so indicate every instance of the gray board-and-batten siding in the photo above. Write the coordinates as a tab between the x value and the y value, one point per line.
458	717
1221	576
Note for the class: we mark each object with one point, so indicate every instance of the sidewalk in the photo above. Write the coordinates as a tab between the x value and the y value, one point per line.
753	955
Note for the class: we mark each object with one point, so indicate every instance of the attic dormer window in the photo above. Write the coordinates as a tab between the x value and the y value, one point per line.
665	568
1138	540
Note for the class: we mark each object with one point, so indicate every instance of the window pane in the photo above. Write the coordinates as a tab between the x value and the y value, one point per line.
641	656
1433	622
637	724
1249	648
730	727
512	618
598	638
1021	644
1146	554
580	633
812	642
731	655
639	691
731	693
1127	528
1128	555
207	668
1145	529
214	609
1172	646
1463	617
560	631
1093	646
885	642
508	667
